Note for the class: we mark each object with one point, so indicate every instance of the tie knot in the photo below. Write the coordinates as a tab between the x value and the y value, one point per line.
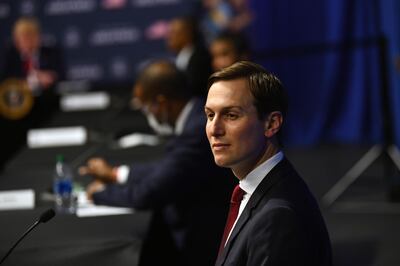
237	195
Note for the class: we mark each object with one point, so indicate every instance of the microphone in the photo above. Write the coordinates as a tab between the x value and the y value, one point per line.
44	217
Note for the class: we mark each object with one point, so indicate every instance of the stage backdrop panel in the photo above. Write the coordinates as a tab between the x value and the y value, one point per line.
102	40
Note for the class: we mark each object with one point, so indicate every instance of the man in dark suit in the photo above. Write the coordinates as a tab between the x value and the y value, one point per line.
41	67
29	59
184	39
273	219
183	188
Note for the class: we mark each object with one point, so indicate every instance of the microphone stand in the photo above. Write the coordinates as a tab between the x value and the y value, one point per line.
19	240
44	217
388	150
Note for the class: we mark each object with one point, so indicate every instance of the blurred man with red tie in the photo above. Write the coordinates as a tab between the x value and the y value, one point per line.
273	219
40	66
29	59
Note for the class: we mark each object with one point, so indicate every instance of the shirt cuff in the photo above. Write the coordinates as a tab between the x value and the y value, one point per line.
122	174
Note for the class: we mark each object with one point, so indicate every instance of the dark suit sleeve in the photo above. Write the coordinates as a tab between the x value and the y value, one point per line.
198	71
51	58
12	67
277	239
154	185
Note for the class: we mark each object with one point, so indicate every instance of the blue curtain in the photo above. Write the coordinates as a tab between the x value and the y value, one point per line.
390	20
327	53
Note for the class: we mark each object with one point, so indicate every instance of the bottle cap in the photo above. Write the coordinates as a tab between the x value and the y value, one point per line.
60	158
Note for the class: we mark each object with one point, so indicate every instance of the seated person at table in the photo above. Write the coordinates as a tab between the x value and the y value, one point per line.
29	59
228	48
41	67
186	190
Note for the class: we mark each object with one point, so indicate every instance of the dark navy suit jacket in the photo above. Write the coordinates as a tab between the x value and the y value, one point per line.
50	58
14	131
198	70
186	186
280	225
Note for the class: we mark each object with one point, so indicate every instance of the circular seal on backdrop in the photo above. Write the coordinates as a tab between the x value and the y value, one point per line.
16	99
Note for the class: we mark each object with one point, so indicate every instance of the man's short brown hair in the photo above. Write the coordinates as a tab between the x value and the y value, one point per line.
26	24
267	90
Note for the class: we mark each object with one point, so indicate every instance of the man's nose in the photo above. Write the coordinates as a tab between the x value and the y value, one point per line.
217	127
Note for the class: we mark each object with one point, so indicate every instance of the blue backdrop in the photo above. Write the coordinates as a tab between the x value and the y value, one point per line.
327	55
325	52
102	40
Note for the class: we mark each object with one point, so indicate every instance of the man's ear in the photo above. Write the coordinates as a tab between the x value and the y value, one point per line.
161	101
160	98
273	124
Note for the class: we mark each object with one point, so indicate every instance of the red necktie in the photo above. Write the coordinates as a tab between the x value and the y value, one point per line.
237	197
27	65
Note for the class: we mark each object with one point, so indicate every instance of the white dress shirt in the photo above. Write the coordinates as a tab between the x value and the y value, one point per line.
123	170
252	180
183	58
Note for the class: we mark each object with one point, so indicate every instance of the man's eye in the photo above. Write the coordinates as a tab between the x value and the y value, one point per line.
210	116
231	116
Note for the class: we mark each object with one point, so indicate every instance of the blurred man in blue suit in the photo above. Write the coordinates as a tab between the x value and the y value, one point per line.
192	57
187	191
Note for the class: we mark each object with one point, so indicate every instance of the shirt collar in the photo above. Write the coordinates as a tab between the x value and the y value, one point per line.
254	178
182	59
183	117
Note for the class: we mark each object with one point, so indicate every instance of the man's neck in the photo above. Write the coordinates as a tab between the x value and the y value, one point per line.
270	150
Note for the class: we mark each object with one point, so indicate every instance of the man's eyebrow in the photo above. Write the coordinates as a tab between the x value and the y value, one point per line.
226	108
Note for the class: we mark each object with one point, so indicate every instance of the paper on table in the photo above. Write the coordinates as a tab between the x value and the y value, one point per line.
85	101
53	137
86	208
17	199
137	139
95	210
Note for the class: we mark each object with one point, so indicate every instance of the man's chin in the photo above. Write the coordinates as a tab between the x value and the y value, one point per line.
221	163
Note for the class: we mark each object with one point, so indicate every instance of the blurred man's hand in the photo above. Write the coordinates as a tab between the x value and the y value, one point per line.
100	169
95	186
46	78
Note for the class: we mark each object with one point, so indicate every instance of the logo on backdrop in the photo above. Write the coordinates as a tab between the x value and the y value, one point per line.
4	10
119	68
157	30
113	4
151	3
85	71
65	7
121	35
72	38
27	8
48	39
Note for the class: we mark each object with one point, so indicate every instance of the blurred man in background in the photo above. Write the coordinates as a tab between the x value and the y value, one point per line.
31	71
228	48
29	59
184	40
224	16
186	190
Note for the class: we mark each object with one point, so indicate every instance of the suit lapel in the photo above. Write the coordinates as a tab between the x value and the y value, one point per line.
192	119
269	180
